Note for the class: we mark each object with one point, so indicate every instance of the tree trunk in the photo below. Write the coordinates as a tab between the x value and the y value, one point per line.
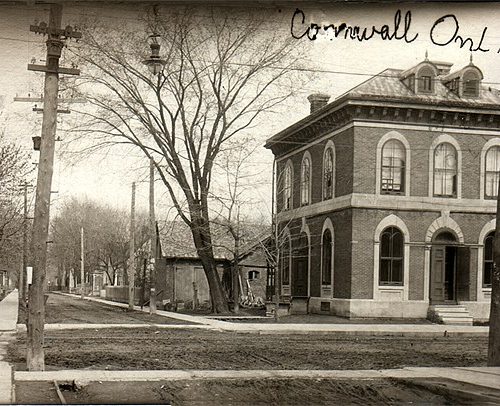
203	243
494	335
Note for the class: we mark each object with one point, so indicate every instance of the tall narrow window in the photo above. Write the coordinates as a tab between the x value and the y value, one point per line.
391	257
488	260
285	262
491	174
445	170
425	79
328	175
393	167
326	266
305	182
287	188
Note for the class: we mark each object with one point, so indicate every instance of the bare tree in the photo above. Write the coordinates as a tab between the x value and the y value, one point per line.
106	237
221	73
15	169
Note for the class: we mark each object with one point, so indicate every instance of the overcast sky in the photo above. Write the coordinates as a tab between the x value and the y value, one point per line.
339	64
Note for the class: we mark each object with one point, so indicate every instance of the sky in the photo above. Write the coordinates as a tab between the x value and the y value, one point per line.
333	66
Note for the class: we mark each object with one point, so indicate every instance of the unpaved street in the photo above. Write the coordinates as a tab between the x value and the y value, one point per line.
64	309
151	348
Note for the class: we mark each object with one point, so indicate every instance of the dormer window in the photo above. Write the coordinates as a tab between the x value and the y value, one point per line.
425	79
453	85
471	84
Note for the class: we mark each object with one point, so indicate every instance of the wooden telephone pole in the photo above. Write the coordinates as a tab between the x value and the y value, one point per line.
152	230
36	314
131	268
82	266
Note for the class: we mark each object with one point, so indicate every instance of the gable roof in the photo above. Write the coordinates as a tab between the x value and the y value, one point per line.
176	240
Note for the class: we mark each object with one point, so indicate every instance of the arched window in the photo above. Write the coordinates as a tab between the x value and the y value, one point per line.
305	181
326	258
471	84
328	174
488	260
425	80
285	262
393	167
491	174
287	187
391	257
445	170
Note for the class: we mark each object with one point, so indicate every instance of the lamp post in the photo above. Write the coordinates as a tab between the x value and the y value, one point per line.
154	63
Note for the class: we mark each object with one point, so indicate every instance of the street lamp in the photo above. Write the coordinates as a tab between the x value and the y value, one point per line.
154	63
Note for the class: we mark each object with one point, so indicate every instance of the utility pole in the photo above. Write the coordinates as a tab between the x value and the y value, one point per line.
236	270
152	230
82	265
22	275
36	314
131	268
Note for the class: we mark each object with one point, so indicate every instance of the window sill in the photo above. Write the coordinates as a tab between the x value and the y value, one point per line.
391	287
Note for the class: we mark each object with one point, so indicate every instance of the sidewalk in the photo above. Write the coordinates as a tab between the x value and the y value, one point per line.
482	376
8	311
8	320
402	330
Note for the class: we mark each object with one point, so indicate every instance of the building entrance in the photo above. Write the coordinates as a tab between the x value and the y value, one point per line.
444	256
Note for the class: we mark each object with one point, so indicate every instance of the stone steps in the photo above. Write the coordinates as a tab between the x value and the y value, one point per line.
450	314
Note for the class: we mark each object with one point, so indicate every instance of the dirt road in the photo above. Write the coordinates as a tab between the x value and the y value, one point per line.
149	348
66	309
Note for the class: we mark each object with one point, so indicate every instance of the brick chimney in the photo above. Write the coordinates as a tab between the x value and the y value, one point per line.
317	101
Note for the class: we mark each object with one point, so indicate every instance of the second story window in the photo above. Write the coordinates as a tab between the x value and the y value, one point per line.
393	167
328	175
491	174
445	170
305	181
287	188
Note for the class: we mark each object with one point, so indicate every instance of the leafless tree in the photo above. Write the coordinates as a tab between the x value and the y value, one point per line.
15	169
222	72
106	237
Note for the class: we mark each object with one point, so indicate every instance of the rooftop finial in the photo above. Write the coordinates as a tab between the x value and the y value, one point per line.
426	55
471	63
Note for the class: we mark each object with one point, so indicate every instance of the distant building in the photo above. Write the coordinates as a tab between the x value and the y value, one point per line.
386	196
180	274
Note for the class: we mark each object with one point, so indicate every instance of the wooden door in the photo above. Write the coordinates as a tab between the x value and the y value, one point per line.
437	278
299	277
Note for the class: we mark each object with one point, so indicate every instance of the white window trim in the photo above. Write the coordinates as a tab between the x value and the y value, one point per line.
391	221
325	289
483	294
494	142
305	229
445	138
393	135
307	155
329	145
285	289
288	164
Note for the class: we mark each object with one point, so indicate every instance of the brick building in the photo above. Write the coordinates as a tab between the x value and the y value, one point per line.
386	197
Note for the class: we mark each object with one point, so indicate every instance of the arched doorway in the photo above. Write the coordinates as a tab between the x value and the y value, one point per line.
443	278
300	268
